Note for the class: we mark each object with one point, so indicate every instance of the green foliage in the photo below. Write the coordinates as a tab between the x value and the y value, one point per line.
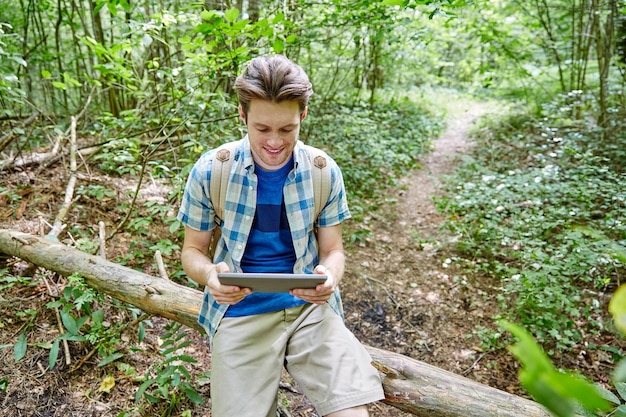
170	380
559	392
84	320
155	84
567	394
11	62
373	146
8	280
524	205
121	157
28	316
99	192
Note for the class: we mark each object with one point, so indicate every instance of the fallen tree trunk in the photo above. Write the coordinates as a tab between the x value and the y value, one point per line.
410	385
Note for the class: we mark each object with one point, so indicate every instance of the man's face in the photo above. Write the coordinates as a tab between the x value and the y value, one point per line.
273	130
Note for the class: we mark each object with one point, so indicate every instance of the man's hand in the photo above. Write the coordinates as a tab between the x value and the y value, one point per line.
225	294
322	293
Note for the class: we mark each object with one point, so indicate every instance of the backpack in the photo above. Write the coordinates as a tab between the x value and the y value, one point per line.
220	174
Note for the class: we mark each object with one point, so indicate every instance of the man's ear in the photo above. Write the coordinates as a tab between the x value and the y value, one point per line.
303	115
242	115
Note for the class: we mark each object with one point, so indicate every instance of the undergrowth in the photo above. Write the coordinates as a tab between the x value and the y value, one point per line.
543	212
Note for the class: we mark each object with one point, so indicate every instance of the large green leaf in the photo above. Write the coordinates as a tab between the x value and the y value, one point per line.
557	391
617	307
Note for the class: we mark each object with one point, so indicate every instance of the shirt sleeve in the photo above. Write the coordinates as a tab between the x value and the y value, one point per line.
196	210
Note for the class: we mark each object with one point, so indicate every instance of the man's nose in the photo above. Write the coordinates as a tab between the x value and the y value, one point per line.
274	139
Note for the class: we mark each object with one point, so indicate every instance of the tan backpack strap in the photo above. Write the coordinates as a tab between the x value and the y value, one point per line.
220	173
321	178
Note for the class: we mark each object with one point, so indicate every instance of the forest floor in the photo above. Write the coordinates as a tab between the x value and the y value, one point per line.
399	294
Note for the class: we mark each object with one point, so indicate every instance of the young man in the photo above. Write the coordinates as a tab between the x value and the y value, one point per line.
268	226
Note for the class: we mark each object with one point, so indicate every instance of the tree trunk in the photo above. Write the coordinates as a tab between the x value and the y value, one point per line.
410	385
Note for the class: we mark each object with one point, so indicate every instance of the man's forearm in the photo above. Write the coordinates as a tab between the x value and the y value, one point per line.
335	263
196	265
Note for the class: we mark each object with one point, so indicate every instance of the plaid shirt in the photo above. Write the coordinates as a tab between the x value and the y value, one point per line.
197	212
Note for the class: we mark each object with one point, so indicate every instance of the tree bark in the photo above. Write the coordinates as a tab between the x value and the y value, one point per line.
410	385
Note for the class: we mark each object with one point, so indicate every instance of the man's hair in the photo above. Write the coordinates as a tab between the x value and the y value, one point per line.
274	78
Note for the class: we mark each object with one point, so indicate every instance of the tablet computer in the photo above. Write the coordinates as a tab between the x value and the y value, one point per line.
266	282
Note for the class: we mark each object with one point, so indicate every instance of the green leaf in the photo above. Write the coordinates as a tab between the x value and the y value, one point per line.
4	384
46	74
527	351
193	396
620	411
69	322
582	391
59	85
619	373
608	395
54	354
80	322
98	317
393	2
557	391
112	8
71	80
142	389
111	358
617	308
54	304
544	392
141	332
207	15
72	337
19	350
175	226
278	46
186	358
621	389
231	15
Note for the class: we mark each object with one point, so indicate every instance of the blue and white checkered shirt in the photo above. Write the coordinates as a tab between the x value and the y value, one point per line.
197	212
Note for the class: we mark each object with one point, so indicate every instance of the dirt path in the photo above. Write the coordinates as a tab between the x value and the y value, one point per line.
417	207
401	293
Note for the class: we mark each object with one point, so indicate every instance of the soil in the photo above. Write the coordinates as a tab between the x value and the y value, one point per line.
400	294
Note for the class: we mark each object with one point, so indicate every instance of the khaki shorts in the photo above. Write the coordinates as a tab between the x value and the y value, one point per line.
329	364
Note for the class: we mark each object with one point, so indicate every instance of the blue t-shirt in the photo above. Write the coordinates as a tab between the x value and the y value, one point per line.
270	246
